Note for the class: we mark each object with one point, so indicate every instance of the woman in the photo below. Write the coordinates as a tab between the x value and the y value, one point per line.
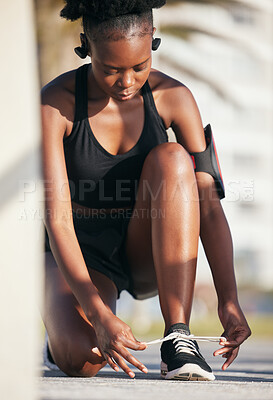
124	208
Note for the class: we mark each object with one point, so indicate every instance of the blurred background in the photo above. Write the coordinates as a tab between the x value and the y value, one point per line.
223	51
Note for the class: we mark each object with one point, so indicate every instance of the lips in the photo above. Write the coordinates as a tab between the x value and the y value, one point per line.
125	96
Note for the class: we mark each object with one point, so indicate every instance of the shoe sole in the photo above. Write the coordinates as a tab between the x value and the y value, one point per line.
189	372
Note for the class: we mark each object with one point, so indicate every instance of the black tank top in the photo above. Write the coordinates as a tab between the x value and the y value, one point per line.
97	178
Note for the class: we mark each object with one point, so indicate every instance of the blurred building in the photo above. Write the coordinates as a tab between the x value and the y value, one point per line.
223	51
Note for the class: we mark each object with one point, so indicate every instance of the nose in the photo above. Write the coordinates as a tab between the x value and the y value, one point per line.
127	79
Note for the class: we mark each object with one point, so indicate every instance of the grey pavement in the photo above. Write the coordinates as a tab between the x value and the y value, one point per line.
249	377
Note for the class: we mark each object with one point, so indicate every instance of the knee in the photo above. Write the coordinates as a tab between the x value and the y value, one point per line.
77	363
170	159
82	370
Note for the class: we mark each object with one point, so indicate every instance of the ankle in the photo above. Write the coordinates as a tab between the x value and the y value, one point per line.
176	327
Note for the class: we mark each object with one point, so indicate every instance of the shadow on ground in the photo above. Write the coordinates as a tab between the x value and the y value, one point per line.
231	376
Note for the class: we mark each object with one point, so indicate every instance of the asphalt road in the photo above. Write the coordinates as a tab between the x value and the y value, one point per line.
249	377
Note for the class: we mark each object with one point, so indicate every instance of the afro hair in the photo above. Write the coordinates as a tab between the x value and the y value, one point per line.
103	10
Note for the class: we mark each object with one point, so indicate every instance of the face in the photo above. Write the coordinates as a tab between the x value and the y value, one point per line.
121	67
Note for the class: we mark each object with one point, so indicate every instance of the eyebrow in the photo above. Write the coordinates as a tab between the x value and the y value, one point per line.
138	65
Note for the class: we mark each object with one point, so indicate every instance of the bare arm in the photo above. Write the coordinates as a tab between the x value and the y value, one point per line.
214	230
216	239
113	334
58	211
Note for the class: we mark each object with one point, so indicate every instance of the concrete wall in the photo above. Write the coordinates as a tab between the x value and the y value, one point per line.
21	259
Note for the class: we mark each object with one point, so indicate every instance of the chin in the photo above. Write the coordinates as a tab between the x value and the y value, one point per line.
122	97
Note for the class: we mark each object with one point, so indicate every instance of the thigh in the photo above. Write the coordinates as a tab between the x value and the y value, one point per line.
163	165
140	259
138	246
72	338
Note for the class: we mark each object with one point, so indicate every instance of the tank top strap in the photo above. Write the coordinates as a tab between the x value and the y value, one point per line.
81	93
149	101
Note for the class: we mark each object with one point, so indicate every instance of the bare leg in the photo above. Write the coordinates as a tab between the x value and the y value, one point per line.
162	248
72	339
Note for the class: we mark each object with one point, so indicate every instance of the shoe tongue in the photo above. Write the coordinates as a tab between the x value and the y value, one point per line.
179	327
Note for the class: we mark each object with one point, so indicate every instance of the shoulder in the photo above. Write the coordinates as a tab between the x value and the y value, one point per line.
57	105
158	80
170	95
59	94
64	83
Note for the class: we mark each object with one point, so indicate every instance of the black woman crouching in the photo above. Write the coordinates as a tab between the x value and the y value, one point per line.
124	207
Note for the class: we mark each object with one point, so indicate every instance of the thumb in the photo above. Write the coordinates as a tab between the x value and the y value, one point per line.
228	333
134	344
139	344
142	345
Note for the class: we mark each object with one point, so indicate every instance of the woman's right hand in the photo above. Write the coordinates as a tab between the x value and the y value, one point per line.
114	337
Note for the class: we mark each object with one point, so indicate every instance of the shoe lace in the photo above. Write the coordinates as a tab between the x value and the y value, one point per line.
181	336
185	346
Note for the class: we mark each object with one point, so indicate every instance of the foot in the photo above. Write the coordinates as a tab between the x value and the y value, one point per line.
181	359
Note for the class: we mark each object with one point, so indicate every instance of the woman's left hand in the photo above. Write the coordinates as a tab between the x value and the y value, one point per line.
236	331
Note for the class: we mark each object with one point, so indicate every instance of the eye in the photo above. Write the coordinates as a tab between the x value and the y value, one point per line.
110	72
140	69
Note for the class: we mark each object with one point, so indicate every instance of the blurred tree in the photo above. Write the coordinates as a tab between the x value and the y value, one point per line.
219	2
190	20
56	39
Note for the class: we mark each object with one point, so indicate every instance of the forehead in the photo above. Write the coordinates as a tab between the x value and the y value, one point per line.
123	53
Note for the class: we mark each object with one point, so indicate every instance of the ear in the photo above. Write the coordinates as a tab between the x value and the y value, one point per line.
89	50
85	43
154	30
82	39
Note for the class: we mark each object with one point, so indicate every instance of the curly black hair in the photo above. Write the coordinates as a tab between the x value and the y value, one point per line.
103	17
103	10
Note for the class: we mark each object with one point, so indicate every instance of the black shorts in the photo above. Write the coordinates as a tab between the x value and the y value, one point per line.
101	238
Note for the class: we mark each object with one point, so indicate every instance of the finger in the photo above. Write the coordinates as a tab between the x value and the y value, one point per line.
222	351
134	344
111	362
237	342
227	345
236	338
119	360
231	357
132	360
